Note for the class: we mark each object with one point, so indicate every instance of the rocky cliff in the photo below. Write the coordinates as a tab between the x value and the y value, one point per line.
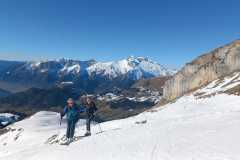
204	69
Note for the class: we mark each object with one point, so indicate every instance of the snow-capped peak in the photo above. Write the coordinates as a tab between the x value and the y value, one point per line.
111	69
75	68
62	66
137	59
34	64
137	67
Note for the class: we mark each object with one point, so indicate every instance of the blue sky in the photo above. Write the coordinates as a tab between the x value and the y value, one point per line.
172	32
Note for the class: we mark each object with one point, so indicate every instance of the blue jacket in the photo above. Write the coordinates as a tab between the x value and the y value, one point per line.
72	112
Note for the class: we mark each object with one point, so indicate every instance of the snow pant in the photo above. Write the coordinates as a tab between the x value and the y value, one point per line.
71	124
89	119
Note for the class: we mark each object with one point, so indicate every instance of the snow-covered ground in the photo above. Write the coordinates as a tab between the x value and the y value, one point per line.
192	128
189	129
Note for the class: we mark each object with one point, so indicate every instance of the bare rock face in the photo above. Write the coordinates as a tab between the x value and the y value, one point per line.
206	68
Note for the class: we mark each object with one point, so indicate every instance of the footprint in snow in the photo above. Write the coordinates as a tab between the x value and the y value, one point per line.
141	122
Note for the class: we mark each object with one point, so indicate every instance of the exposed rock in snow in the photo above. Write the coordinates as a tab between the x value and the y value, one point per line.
8	118
218	86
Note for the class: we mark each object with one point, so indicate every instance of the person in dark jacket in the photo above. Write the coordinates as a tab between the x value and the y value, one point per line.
90	111
72	113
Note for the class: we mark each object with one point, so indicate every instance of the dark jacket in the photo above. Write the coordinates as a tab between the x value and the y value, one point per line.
91	109
72	112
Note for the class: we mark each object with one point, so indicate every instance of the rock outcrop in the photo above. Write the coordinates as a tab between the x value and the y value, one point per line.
206	68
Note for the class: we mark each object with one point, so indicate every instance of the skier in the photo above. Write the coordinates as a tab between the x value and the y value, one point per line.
91	109
72	112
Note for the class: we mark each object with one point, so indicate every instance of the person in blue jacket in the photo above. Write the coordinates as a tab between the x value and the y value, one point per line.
72	113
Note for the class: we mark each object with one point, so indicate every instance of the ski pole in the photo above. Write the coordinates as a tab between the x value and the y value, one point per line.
60	121
99	126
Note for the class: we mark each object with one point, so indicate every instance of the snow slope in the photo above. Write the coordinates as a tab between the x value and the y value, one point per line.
188	129
191	128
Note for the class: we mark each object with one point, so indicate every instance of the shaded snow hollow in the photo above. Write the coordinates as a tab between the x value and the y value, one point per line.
185	130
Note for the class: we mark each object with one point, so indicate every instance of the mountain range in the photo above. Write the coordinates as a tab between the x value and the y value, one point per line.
90	76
